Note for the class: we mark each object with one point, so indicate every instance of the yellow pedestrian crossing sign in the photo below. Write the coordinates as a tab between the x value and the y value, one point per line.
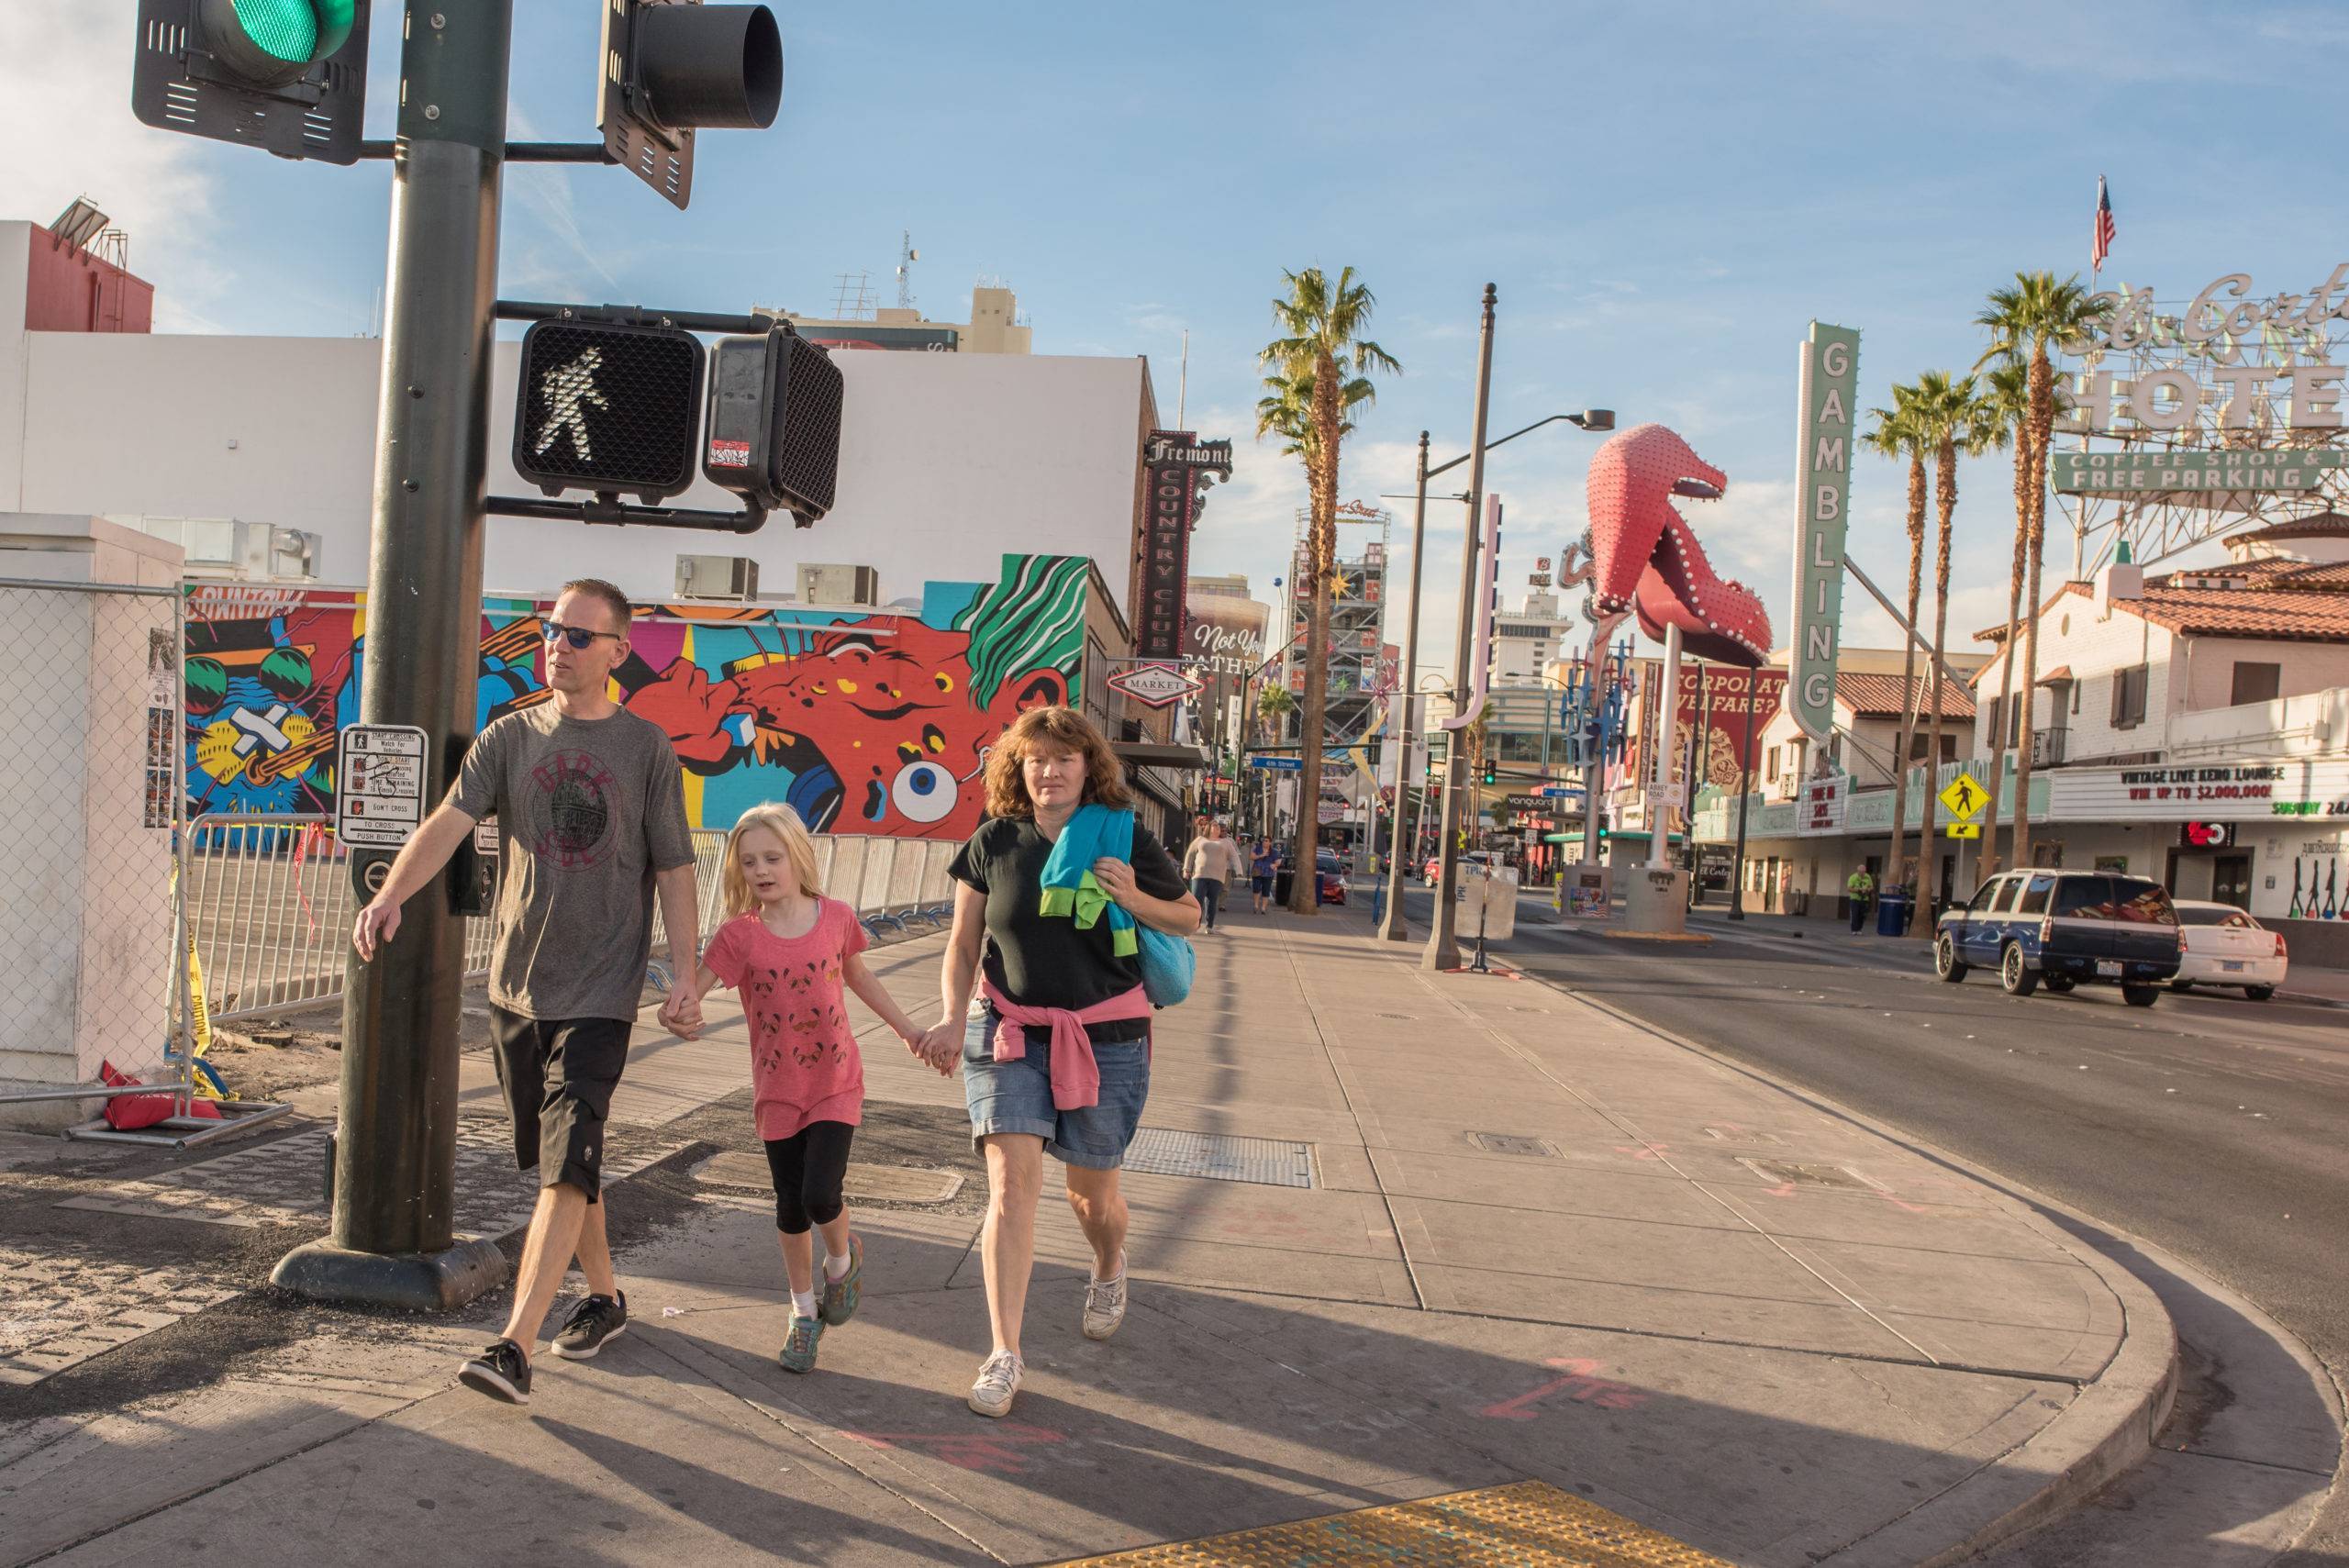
1965	798
1962	830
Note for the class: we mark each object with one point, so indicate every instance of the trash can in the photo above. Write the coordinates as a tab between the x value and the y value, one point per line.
1892	912
1283	881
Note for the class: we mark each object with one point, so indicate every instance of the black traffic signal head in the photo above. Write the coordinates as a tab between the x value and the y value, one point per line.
610	408
774	423
1492	771
288	75
669	66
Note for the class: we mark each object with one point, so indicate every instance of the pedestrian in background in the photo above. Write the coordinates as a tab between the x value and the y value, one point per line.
1262	867
788	951
590	803
1859	888
1207	866
1058	1059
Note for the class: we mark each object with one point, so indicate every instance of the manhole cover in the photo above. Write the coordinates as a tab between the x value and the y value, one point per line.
1511	1144
872	1183
1784	1171
1219	1157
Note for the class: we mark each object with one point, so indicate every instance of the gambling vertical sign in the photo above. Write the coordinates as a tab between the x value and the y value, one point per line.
1176	466
1829	385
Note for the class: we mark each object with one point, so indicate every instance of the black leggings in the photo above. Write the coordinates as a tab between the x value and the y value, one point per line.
808	1167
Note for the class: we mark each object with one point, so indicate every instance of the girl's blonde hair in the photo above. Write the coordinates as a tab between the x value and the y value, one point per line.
798	843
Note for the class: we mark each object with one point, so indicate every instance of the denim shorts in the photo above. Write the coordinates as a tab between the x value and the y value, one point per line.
1016	1096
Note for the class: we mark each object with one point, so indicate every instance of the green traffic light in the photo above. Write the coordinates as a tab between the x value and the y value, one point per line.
274	41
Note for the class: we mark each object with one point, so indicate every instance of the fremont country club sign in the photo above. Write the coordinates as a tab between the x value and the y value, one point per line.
1829	383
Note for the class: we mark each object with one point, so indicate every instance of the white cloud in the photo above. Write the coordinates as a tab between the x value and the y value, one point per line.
71	69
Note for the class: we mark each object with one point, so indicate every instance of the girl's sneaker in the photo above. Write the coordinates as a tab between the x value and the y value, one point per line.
840	1298
998	1382
799	1345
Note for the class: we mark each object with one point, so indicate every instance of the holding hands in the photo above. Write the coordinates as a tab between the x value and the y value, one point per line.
681	1013
939	1045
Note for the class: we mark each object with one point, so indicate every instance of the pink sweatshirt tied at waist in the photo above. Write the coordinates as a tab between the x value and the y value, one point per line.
1076	1077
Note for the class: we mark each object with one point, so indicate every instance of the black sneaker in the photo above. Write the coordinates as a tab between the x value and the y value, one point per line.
593	1321
502	1371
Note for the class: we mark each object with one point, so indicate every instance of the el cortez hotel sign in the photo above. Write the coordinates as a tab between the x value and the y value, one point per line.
1829	383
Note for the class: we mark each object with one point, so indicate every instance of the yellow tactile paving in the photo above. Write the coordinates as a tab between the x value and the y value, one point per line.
1528	1524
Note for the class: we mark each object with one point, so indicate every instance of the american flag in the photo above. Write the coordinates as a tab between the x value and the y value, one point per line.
2102	247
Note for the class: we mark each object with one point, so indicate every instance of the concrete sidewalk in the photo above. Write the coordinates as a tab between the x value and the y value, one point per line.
1538	1243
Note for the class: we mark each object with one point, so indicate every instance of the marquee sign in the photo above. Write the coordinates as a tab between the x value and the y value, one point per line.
1829	383
1176	466
2287	789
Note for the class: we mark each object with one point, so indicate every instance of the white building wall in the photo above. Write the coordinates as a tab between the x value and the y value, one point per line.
946	460
2072	634
2305	667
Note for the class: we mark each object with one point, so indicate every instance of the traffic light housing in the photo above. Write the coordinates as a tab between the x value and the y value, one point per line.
608	408
1492	771
774	433
286	75
669	66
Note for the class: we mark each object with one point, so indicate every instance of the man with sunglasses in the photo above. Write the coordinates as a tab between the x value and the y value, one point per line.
591	810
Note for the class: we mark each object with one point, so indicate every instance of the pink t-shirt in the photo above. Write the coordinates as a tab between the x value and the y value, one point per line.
804	1062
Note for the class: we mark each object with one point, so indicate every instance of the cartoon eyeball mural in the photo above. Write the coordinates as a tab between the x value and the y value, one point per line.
924	791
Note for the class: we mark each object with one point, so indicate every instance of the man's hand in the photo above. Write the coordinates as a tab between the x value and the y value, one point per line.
680	1015
378	922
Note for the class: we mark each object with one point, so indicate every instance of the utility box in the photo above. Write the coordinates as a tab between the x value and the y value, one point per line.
1488	902
717	577
833	584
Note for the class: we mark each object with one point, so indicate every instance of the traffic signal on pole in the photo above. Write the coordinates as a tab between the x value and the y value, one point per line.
670	66
286	75
1492	771
774	423
608	408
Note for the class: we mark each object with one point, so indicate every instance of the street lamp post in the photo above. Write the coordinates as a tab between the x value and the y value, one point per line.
1393	926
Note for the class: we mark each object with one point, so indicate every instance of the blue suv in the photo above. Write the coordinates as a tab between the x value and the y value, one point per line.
2064	929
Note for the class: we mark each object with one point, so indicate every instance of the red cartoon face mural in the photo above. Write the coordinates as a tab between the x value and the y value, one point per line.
863	723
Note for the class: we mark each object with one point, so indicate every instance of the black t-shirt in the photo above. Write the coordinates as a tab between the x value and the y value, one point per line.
1046	961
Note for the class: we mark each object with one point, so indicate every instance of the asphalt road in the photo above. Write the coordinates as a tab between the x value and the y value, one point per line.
2216	1127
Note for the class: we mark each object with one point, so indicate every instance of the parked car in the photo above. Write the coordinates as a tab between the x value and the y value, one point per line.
1329	875
2066	929
2224	946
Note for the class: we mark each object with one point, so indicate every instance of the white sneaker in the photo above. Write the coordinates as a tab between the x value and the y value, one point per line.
998	1382
1105	1303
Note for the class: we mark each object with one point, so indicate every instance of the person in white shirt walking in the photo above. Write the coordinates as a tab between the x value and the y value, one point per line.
1207	864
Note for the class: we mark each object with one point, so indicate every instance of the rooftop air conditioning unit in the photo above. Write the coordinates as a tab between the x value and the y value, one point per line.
827	585
236	550
717	577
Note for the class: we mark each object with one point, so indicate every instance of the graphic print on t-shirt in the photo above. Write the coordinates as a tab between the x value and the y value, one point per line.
795	1006
571	819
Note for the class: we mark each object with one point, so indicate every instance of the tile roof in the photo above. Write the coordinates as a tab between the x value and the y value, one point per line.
2297	601
1882	696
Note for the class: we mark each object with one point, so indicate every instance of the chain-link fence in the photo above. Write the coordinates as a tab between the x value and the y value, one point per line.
91	939
271	903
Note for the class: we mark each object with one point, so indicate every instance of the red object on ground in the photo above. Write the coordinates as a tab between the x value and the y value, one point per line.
1646	558
129	1113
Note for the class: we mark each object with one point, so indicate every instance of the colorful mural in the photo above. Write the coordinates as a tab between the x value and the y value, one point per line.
865	721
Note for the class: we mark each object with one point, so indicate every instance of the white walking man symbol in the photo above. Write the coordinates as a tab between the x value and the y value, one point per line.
568	391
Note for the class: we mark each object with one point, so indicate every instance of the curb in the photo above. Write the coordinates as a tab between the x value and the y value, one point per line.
2107	1429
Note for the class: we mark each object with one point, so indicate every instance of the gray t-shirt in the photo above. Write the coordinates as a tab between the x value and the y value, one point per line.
588	811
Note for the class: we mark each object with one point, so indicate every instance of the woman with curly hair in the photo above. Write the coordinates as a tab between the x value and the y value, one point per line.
1058	1058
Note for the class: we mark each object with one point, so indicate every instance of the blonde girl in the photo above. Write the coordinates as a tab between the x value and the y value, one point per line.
788	951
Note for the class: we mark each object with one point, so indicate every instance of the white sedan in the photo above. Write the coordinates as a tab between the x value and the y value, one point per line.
2224	946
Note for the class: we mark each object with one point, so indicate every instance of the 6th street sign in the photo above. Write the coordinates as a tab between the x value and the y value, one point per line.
1155	685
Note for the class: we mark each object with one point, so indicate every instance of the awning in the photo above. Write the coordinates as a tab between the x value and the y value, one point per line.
1153	754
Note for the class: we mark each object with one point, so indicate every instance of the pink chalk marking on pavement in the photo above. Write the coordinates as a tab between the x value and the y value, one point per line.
1581	1384
996	1450
1642	1151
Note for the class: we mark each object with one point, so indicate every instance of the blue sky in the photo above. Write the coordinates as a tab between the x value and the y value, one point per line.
1665	196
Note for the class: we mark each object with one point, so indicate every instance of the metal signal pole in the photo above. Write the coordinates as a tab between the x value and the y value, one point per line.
392	1238
1395	926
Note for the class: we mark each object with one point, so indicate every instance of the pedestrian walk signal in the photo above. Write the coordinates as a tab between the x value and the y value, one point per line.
289	76
608	407
774	423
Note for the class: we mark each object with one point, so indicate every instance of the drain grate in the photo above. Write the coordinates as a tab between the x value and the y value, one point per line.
1512	1143
1219	1157
1784	1171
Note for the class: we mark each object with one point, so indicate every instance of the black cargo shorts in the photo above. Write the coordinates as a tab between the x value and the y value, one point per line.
558	1075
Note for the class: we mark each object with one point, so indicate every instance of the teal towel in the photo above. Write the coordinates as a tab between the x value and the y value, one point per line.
1094	831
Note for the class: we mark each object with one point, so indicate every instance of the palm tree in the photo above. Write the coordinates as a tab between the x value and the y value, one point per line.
1898	434
1949	415
2025	321
1321	346
2006	404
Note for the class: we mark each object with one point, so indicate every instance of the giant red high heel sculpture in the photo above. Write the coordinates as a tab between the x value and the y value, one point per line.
1647	557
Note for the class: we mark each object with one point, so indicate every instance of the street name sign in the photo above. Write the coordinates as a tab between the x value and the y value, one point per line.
1825	433
1561	792
1965	798
1155	684
379	785
1278	764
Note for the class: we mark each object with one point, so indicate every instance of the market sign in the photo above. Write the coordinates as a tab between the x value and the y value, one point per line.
1154	684
1827	384
2218	792
1176	466
2201	471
